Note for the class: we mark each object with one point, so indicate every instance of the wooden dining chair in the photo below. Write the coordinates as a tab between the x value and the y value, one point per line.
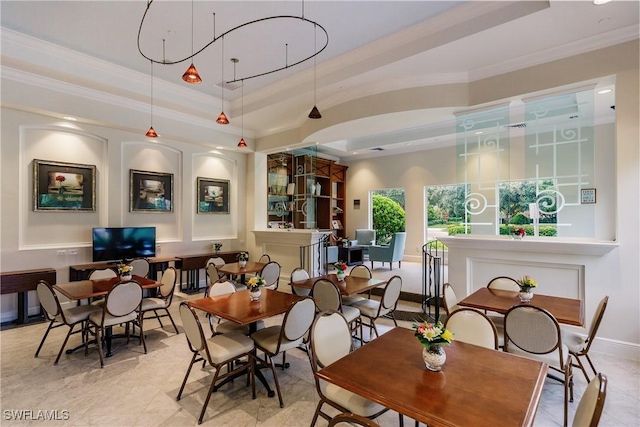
361	271
591	403
219	351
271	275
57	316
327	297
102	273
533	332
163	300
579	345
264	258
296	275
330	340
217	325
372	309
121	306
140	267
450	299
280	338
473	327
504	283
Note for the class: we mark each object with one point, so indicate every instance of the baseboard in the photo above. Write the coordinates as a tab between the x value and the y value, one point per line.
616	348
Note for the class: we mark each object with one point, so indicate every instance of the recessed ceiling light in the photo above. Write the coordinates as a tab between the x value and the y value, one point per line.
603	91
219	148
600	2
479	132
70	118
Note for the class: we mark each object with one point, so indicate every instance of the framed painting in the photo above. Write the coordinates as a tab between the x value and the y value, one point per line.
150	191
213	196
59	186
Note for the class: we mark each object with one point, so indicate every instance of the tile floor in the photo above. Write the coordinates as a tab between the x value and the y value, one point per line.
135	389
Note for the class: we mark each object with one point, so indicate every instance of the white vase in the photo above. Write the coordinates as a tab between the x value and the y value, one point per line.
340	274
255	295
434	357
125	277
525	296
318	189
243	264
312	189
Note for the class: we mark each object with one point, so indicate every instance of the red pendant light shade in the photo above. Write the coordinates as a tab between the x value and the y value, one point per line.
191	75
151	133
222	119
242	143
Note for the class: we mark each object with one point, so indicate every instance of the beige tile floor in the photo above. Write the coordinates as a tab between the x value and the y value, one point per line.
137	389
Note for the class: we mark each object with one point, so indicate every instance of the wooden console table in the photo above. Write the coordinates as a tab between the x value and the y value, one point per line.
22	282
82	271
192	264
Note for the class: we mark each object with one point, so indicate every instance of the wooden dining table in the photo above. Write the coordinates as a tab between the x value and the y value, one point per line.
234	269
349	286
237	307
566	310
89	289
476	387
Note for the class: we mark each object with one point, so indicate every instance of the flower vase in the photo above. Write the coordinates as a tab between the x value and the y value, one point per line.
340	274
255	295
125	277
243	263
434	357
525	296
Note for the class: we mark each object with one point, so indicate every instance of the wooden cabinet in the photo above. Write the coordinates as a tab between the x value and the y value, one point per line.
279	190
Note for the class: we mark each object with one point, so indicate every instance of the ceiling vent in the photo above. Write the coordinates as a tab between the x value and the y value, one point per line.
377	149
229	86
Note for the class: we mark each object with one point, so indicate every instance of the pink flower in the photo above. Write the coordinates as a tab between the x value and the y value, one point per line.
61	178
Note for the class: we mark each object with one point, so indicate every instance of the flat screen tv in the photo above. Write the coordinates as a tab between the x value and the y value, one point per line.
123	243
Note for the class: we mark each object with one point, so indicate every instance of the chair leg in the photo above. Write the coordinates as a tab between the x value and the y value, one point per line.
315	416
590	364
144	343
206	401
172	322
64	344
99	342
44	338
184	382
158	317
373	325
275	380
581	366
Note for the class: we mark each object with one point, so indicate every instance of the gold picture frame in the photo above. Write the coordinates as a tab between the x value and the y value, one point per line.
61	186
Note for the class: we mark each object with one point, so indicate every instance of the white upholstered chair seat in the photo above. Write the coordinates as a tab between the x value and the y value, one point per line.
78	313
350	313
153	304
574	342
552	359
110	320
267	338
369	308
228	346
354	403
350	300
232	327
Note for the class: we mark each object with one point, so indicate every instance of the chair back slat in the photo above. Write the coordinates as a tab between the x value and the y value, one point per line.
450	299
168	282
298	319
330	338
473	327
361	271
48	299
392	292
123	298
102	273
326	295
504	283
532	329
192	327
271	274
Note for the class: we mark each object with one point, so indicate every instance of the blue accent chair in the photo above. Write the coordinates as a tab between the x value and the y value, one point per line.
390	253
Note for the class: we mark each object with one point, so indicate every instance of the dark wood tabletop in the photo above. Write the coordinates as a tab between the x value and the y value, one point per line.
349	286
84	289
476	387
238	308
235	269
565	310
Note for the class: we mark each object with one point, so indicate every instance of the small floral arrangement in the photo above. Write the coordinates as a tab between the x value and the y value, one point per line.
429	334
518	231
243	256
526	283
341	266
288	225
254	283
124	269
216	246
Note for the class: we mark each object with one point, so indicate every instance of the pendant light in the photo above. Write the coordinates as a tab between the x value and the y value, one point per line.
242	143
151	133
191	75
315	113
222	118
